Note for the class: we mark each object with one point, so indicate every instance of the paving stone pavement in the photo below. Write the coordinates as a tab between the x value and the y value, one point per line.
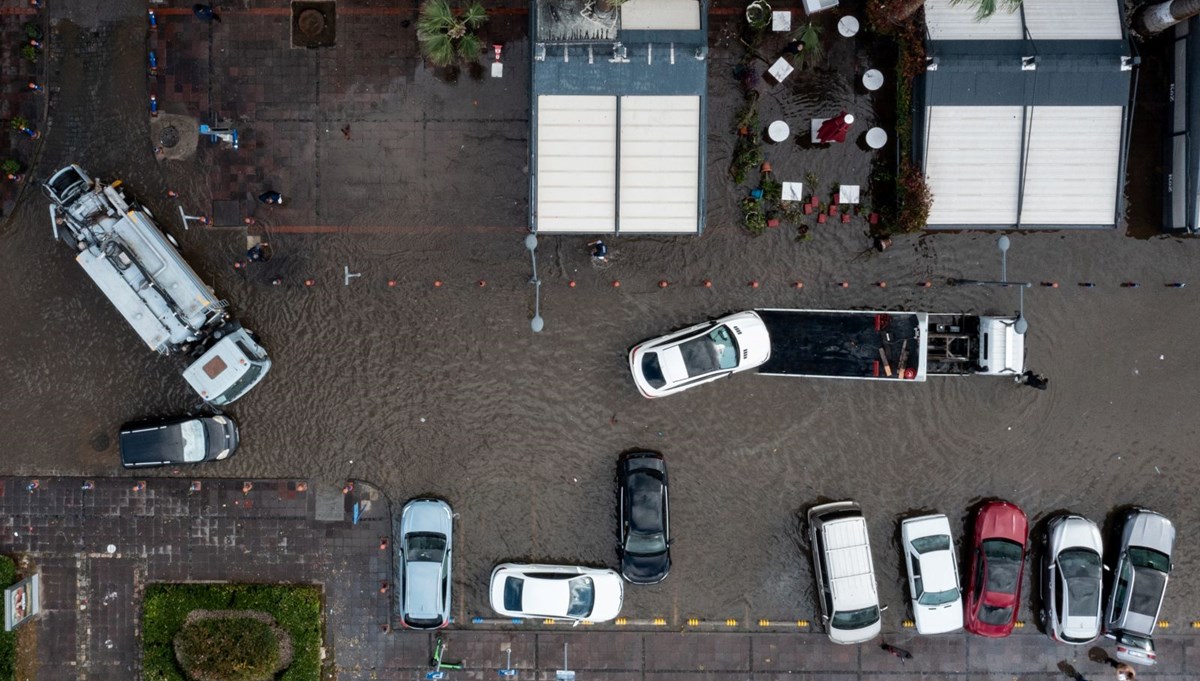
97	549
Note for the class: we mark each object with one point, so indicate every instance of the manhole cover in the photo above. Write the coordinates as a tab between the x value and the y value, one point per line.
100	441
311	22
169	137
314	23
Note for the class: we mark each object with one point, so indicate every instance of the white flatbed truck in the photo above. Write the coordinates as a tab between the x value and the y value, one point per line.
890	346
140	270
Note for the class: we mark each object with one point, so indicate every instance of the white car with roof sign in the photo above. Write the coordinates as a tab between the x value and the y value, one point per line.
932	574
699	354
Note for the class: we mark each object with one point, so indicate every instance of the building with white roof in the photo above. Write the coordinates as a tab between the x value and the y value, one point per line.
1021	121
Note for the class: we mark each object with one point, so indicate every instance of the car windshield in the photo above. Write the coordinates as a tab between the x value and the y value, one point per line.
583	595
855	619
938	542
513	587
425	547
1003	559
1149	558
645	543
243	384
992	615
195	445
1081	570
1148	585
938	597
713	351
651	371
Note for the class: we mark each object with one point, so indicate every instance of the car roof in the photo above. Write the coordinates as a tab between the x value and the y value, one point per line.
423	590
848	556
646	491
148	442
546	596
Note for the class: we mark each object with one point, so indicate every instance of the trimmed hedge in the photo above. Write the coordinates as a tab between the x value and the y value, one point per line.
296	609
233	649
8	639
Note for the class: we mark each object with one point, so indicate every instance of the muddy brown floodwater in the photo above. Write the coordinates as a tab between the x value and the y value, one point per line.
445	391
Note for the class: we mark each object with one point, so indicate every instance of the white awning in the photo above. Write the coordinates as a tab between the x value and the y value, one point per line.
578	159
660	164
660	15
576	163
1044	19
1071	166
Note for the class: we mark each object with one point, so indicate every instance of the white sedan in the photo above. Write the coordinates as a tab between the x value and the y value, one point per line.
699	354
932	574
563	592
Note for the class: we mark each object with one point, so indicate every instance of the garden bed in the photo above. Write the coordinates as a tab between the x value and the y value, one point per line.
8	639
295	608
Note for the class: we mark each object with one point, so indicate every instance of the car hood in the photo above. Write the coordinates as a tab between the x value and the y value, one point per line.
610	595
938	619
427	515
1075	531
1150	530
670	361
645	569
1005	521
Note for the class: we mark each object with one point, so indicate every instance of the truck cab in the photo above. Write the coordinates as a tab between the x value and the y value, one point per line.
229	368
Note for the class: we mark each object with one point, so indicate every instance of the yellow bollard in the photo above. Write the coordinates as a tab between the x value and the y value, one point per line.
731	622
695	622
1018	625
660	621
908	624
547	621
764	623
1163	624
621	621
802	623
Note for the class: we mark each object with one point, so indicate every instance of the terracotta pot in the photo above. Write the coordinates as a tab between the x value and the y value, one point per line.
766	166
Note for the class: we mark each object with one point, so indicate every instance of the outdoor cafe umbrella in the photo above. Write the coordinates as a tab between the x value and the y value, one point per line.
835	129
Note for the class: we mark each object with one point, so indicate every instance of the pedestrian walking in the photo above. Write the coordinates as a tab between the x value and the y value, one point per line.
271	198
1033	380
1125	672
206	13
599	251
258	252
898	652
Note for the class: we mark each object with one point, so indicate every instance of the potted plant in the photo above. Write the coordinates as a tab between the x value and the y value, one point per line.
446	37
33	30
29	53
758	14
809	37
21	124
11	169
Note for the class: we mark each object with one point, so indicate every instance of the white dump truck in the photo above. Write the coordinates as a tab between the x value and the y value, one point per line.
140	270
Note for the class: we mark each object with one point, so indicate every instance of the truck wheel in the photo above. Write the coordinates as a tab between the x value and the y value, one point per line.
172	240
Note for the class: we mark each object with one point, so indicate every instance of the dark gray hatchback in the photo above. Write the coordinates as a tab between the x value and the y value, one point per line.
187	439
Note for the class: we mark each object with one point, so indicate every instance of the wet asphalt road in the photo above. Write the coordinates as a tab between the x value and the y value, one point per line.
446	392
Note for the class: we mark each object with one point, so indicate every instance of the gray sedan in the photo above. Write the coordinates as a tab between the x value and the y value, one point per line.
1139	583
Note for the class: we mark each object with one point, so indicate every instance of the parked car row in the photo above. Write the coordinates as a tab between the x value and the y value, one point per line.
1071	578
563	592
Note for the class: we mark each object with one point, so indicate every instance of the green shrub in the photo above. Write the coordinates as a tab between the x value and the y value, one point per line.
29	54
8	639
296	609
235	649
33	30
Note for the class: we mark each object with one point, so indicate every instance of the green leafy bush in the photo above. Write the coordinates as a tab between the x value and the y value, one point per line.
296	609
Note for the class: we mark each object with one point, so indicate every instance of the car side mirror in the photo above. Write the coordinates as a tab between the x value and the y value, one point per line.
575	624
883	609
824	618
1106	568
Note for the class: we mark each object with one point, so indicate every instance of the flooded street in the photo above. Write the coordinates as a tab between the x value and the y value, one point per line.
445	391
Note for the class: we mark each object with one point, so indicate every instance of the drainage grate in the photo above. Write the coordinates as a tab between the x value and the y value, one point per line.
314	23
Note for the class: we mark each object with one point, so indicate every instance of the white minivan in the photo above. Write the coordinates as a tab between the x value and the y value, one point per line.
845	572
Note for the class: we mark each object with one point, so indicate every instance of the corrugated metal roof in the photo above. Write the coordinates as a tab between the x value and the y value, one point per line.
1071	167
660	164
972	164
1043	19
659	15
1071	172
576	163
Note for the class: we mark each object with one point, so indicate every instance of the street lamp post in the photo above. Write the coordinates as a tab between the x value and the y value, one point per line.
537	323
1021	325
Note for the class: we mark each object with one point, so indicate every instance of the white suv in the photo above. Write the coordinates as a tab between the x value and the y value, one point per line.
845	573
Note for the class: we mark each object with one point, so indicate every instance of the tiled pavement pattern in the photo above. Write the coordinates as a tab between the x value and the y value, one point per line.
15	97
168	533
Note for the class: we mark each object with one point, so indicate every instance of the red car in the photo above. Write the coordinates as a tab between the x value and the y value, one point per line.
997	564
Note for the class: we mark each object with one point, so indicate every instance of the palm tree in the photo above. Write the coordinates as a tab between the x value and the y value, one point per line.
983	8
445	36
1158	17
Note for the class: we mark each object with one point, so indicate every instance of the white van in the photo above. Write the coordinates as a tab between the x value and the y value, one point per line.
845	572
